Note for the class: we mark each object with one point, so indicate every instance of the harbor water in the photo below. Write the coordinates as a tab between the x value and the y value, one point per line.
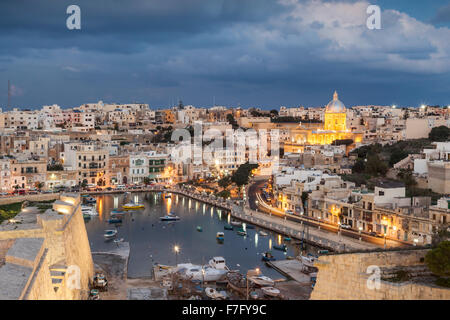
153	241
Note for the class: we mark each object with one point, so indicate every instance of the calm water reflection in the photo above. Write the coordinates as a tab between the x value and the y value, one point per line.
152	241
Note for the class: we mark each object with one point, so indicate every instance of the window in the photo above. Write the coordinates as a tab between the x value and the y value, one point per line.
381	193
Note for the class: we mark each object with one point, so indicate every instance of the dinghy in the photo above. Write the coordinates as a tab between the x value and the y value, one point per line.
271	291
110	233
214	294
262	281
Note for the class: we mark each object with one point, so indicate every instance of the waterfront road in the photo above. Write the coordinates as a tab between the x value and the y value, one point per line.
254	195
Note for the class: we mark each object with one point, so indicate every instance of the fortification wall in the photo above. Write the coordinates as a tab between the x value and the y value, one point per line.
344	277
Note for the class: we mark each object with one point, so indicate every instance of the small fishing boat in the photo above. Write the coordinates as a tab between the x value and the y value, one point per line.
271	291
86	216
241	232
262	280
114	212
169	218
267	256
114	220
199	229
281	247
110	233
322	251
287	239
189	271
263	233
220	236
236	223
89	199
218	263
228	227
131	206
214	294
118	240
89	210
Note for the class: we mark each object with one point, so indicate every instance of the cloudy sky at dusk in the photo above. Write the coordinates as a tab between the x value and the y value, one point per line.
263	53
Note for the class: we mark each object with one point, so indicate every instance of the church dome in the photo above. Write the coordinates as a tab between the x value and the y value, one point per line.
335	105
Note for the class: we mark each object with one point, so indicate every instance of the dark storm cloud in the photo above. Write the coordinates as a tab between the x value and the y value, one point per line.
252	52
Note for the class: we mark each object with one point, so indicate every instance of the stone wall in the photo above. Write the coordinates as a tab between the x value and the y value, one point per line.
345	277
40	254
29	197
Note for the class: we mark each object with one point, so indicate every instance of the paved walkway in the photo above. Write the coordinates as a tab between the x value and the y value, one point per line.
309	234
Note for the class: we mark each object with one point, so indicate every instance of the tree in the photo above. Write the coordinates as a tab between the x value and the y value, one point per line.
440	134
147	181
224	182
397	155
274	113
242	174
407	177
375	166
438	259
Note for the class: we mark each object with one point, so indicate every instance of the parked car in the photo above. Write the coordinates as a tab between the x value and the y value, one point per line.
33	192
346	226
289	212
4	193
375	234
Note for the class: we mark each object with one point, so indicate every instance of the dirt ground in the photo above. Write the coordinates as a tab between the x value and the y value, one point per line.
114	268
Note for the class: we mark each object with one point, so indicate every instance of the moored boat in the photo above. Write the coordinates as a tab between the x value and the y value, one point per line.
169	218
110	233
220	236
214	294
199	229
228	227
241	232
189	271
218	263
236	223
118	240
114	220
115	212
263	233
267	256
131	206
271	291
281	247
287	238
89	210
262	281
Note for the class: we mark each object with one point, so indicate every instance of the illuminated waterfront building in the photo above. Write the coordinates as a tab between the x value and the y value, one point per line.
334	128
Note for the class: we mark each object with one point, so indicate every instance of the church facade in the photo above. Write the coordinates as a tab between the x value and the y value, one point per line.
334	128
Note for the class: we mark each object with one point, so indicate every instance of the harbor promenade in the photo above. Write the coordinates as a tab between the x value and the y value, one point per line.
299	231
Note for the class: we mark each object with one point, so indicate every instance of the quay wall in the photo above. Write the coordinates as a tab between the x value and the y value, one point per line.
345	277
29	197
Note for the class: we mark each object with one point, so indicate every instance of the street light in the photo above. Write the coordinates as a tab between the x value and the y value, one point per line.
385	241
360	229
176	248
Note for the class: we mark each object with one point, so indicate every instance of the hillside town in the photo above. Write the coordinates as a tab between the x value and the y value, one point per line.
328	167
361	178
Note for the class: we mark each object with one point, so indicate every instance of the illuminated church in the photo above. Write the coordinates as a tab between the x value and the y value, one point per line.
334	128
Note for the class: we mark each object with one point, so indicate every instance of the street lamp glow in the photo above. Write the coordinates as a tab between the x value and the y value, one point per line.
394	106
422	106
360	228
176	248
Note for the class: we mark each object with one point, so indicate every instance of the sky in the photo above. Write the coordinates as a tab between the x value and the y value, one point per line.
248	53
